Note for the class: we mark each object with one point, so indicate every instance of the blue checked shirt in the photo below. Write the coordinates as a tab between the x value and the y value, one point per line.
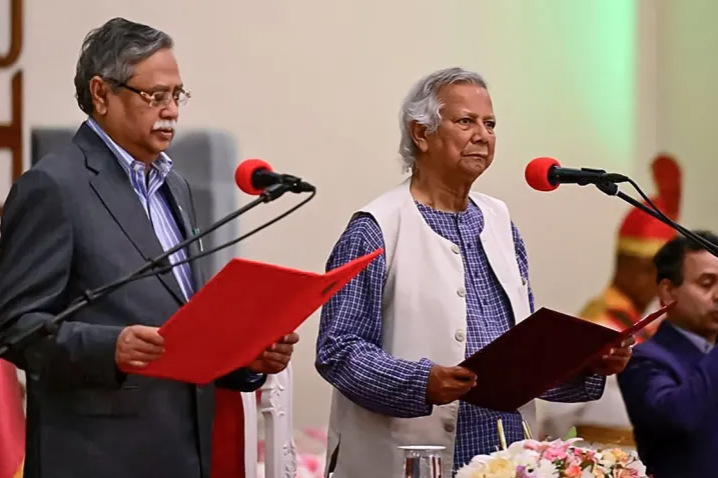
349	353
154	203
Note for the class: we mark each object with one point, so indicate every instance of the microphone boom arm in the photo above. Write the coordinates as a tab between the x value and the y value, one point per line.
611	189
51	326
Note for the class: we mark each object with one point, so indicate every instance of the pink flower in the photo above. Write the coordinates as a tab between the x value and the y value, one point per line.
589	455
532	445
554	453
573	471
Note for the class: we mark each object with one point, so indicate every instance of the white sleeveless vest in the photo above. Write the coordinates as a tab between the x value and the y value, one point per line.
424	315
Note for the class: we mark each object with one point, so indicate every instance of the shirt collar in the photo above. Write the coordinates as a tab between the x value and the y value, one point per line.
163	163
702	344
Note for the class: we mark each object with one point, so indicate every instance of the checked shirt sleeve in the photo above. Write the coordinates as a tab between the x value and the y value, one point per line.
349	353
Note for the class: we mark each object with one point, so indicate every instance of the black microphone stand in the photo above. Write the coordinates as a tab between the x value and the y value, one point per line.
611	189
51	326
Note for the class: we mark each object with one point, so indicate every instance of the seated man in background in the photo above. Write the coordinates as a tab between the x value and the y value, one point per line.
670	386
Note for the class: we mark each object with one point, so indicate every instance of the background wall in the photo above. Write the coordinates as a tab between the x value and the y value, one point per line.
314	87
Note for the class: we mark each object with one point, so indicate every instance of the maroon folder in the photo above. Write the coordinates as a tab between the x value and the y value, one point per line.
242	310
544	350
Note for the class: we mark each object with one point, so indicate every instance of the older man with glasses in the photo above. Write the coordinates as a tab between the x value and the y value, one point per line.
81	218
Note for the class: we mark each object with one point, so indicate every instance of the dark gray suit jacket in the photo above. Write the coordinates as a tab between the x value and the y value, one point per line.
73	223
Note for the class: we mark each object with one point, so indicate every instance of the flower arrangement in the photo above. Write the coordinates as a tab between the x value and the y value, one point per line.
555	459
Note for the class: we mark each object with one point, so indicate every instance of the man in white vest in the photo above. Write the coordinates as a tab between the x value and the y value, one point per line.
453	277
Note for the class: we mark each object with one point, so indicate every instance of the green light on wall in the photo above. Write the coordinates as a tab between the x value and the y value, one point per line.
609	71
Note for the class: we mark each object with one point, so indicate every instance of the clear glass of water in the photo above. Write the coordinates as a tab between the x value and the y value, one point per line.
422	461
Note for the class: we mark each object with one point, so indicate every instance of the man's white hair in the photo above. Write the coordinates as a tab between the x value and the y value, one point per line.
423	106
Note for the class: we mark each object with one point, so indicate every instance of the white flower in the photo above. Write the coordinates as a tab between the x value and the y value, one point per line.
468	471
638	466
528	458
607	458
475	469
520	455
516	447
546	469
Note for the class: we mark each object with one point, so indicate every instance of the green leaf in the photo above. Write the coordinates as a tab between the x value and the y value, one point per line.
572	433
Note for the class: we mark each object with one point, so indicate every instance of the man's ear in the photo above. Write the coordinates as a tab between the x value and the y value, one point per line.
418	135
666	292
99	90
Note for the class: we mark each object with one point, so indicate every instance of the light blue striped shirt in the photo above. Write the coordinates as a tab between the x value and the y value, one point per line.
700	342
154	203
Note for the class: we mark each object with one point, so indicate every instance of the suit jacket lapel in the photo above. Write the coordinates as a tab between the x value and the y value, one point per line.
115	191
180	203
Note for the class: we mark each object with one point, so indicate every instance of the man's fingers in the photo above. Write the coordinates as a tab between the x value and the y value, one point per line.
142	357
275	357
274	366
461	373
618	354
146	347
281	348
630	340
456	391
464	387
137	364
292	338
149	335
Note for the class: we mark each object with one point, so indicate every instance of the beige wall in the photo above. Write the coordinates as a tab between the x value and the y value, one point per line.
690	101
314	88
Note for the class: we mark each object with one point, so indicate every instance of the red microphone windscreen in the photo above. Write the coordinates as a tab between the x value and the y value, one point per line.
243	175
537	173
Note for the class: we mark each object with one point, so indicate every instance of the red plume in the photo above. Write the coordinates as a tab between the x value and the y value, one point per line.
668	179
642	235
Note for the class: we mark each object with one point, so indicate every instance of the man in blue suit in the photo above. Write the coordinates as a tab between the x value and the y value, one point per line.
670	386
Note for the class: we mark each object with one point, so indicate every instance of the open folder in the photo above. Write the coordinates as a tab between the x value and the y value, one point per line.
545	350
241	311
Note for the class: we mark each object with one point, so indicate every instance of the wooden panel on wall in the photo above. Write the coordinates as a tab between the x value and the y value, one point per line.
11	133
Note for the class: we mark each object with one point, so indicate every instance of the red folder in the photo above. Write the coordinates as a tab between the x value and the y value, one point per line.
241	311
544	350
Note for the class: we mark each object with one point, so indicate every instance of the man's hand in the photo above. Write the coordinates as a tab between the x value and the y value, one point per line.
276	357
616	360
447	384
138	345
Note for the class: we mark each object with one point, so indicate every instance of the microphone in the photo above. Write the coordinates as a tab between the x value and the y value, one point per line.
161	264
546	174
253	176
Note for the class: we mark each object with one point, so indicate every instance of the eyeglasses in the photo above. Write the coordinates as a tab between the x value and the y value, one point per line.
161	98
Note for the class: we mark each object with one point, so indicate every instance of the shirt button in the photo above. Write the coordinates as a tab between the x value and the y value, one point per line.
455	249
449	427
461	292
523	280
460	335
